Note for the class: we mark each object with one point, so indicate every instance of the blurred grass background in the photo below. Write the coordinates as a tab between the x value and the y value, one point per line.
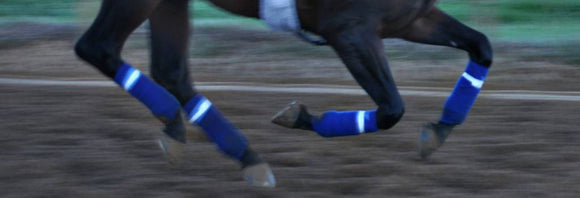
504	20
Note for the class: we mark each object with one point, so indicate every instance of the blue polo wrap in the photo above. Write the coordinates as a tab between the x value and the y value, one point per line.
335	123
228	138
463	96
156	98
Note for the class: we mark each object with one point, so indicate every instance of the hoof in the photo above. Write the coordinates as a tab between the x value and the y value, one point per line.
431	137
172	149
260	175
288	117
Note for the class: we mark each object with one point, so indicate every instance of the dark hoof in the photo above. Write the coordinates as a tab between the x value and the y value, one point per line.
172	149
432	137
288	117
175	129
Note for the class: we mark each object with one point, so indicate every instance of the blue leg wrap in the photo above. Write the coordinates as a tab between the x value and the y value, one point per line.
160	102
334	123
227	137
464	94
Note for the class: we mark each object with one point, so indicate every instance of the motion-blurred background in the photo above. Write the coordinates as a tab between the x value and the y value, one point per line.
63	140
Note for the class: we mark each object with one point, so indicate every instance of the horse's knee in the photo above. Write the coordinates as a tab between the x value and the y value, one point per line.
480	50
83	50
103	57
387	118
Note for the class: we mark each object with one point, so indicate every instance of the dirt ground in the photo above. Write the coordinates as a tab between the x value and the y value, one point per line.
99	142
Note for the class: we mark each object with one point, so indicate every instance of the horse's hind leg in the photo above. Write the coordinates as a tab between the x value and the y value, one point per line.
440	29
361	50
170	32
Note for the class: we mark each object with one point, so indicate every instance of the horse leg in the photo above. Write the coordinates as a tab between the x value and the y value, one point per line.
169	45
170	32
438	28
361	49
101	46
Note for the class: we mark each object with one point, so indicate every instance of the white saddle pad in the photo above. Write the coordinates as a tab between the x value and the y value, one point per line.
280	15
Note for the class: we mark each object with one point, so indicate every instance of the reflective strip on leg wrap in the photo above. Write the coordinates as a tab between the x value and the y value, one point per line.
156	98
464	94
228	138
334	123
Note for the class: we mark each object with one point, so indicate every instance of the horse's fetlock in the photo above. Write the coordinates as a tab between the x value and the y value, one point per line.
481	51
388	119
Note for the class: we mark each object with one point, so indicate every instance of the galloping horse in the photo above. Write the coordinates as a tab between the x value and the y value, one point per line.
353	28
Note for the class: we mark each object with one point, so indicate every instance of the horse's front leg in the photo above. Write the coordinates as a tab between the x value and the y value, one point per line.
170	32
169	38
102	43
438	28
101	46
361	49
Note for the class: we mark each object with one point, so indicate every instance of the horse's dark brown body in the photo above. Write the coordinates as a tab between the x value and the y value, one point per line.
395	15
353	28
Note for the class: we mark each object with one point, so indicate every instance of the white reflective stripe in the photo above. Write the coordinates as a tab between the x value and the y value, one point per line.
360	120
474	81
200	111
132	78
